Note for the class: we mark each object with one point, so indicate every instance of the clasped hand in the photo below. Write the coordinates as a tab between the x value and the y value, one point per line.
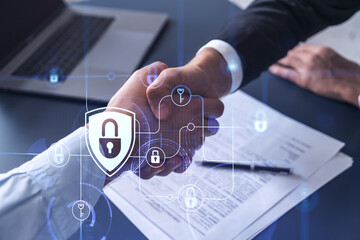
170	133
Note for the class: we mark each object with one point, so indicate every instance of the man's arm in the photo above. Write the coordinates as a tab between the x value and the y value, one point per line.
35	196
248	45
265	31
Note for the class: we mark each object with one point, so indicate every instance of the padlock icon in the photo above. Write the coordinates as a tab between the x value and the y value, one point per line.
190	198
58	157
54	77
151	77
110	147
155	157
260	122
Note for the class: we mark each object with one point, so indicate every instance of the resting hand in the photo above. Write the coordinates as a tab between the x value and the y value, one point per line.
321	70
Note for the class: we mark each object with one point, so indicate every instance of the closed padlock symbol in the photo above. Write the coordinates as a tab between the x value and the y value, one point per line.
260	122
190	198
54	77
110	147
155	157
151	77
58	157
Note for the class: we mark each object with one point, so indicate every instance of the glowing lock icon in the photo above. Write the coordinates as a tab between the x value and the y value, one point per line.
58	155
260	122
54	76
155	157
110	147
190	198
150	77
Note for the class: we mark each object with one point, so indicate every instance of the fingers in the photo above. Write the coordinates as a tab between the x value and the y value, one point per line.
175	164
147	73
192	77
297	57
135	86
206	109
204	124
213	107
291	60
198	106
289	66
208	123
192	140
312	67
148	172
162	87
302	63
317	50
202	113
306	55
185	164
197	113
284	72
212	127
199	121
170	166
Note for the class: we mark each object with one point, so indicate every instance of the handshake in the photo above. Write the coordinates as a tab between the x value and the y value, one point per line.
175	112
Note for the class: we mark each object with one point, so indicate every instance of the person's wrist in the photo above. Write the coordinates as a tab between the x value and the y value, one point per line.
349	91
214	69
354	95
357	91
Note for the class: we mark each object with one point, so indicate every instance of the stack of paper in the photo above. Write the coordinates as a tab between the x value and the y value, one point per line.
234	203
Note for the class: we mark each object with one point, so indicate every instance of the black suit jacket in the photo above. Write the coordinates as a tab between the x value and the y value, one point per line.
264	32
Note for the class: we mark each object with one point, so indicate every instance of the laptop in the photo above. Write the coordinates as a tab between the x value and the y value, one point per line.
49	47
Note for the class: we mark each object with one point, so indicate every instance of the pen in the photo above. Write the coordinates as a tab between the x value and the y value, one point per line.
251	167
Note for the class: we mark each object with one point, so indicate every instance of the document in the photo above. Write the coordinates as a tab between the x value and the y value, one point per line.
231	200
330	170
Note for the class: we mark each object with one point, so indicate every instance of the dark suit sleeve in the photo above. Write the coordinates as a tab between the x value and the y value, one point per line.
264	32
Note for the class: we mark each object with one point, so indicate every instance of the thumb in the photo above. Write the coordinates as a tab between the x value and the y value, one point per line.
158	96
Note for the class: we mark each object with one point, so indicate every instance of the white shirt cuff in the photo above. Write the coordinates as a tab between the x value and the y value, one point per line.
359	100
232	59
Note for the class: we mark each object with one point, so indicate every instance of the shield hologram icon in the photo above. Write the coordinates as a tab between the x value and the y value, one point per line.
111	137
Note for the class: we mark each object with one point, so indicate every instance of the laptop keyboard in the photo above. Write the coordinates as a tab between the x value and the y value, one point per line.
66	47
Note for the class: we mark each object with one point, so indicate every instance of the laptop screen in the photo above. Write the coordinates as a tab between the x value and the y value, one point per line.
20	20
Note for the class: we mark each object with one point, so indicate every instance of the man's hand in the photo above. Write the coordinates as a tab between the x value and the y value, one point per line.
132	96
321	70
205	75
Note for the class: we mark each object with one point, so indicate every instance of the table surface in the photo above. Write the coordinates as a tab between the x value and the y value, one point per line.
333	212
